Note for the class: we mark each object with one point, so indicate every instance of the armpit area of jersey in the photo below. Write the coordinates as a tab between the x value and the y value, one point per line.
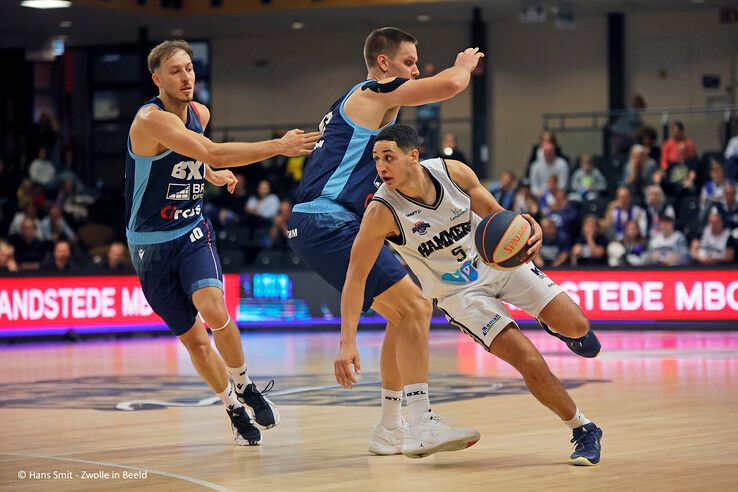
376	86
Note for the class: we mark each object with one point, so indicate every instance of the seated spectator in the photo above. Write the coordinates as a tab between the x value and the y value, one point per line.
647	137
53	227
72	202
61	260
278	234
525	202
69	172
656	207
7	258
29	212
116	260
504	189
226	208
716	245
450	148
555	247
677	137
42	171
29	250
265	205
729	208
548	197
630	251
587	182
639	171
680	176
667	247
621	211
563	214
589	248
550	164
537	150
713	191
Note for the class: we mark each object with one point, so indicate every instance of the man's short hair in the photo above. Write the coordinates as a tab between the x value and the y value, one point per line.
404	136
163	51
385	41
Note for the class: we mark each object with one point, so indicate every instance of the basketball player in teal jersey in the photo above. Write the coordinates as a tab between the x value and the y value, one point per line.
337	184
419	201
173	246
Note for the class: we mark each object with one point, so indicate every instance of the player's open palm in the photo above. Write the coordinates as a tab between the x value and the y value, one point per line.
469	58
346	362
297	142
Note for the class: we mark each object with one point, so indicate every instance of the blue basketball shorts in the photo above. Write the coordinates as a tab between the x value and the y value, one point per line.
324	241
171	272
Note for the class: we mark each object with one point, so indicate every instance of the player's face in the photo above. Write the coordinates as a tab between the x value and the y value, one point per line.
176	77
393	165
404	63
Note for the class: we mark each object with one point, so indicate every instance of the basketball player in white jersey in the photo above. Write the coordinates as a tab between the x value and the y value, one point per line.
429	211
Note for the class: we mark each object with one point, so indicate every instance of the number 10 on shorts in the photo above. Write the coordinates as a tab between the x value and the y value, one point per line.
196	234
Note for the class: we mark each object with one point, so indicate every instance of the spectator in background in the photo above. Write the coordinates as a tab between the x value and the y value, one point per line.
54	228
7	258
226	208
72	202
656	207
548	197
549	165
647	137
116	260
639	171
630	251
589	249
24	195
624	130
713	191
61	261
680	176
670	149
279	233
450	150
621	211
265	205
731	158
563	214
29	250
42	171
30	212
428	117
525	202
587	182
555	247
729	208
504	189
537	150
667	247
716	246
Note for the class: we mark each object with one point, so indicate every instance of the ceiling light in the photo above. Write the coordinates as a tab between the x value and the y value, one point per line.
298	25
423	18
46	4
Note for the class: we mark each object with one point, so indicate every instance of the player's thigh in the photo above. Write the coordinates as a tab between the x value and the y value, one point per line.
400	298
478	313
529	288
197	262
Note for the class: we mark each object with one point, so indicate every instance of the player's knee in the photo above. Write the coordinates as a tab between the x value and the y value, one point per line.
199	349
580	325
419	308
213	310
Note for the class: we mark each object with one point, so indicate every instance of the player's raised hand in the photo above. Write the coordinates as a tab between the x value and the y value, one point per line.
536	238
297	142
346	360
468	58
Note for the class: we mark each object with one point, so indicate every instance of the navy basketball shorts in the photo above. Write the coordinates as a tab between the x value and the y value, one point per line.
171	272
324	240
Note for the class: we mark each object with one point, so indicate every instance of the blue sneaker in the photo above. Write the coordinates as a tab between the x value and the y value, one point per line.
587	346
587	445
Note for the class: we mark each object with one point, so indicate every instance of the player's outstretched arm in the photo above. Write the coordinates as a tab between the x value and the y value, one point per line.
376	225
442	86
224	177
483	203
170	132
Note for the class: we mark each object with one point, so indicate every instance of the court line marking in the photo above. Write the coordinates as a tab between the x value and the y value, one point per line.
177	476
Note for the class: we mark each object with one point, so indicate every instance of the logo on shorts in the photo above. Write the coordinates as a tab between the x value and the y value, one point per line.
535	270
491	323
421	227
141	254
292	233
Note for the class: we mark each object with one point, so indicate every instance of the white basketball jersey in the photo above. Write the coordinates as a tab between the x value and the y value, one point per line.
436	241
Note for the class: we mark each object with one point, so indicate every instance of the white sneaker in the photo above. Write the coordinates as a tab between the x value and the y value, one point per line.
385	441
429	435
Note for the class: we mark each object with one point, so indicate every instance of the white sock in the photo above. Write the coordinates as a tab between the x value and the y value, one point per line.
228	397
418	401
239	376
391	409
578	420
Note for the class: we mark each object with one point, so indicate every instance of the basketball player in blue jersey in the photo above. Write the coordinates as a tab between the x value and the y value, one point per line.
446	197
338	182
173	246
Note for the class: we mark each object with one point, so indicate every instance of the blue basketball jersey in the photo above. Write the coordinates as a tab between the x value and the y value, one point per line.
164	193
341	168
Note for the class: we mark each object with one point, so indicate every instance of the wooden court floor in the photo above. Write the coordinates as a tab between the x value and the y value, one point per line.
133	415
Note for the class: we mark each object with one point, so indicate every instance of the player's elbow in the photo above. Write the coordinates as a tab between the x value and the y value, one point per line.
212	157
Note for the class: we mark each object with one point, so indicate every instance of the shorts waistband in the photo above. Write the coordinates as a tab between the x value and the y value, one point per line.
155	237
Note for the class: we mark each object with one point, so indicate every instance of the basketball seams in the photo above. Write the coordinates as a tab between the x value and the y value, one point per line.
505	233
484	236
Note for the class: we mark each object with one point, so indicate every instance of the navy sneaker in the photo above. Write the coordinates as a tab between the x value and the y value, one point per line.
587	445
587	346
244	431
264	412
